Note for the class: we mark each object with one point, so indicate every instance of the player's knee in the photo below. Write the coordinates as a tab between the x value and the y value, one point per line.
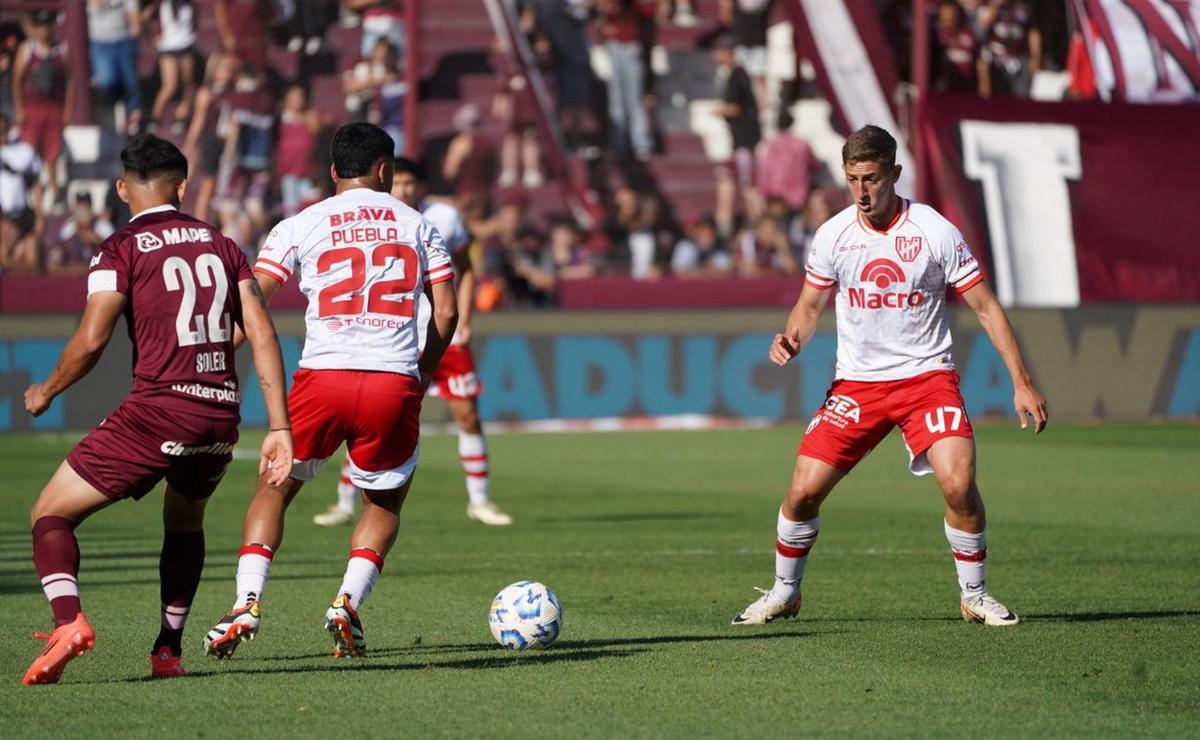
804	496
959	489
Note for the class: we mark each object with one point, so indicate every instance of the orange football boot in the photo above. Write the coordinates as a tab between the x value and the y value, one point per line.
62	646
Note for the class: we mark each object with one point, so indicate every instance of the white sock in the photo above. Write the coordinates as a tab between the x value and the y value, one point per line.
361	573
347	491
472	451
970	559
174	617
793	541
254	565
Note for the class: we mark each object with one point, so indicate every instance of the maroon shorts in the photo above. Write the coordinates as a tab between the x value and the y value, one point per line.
857	415
139	444
43	130
377	415
455	377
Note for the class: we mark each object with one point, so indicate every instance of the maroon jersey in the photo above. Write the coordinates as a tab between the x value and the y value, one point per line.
180	278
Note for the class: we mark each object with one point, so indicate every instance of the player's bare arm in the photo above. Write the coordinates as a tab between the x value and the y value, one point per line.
467	281
82	352
801	324
259	329
442	323
1026	399
267	287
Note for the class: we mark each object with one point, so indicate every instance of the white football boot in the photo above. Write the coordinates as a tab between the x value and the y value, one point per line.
488	513
984	609
237	626
334	516
768	608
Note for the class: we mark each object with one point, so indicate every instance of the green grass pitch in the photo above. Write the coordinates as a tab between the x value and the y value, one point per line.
652	542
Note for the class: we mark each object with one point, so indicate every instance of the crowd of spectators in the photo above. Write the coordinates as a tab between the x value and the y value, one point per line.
258	145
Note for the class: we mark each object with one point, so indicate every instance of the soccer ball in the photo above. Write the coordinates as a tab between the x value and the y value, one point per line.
524	615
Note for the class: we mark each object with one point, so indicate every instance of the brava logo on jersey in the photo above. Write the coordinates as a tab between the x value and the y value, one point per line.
882	273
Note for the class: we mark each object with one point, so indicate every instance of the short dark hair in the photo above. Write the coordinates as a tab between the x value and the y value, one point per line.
358	147
148	157
404	165
870	144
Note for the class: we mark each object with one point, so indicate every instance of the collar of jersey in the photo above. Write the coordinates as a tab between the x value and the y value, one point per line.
154	209
897	221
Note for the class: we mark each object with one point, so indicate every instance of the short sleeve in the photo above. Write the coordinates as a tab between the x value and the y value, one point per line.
109	271
819	272
450	225
277	258
958	263
434	255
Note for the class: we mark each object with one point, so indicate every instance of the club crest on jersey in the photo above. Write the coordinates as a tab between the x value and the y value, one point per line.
908	247
147	242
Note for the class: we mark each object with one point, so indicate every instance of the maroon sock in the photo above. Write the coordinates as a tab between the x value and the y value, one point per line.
56	558
179	569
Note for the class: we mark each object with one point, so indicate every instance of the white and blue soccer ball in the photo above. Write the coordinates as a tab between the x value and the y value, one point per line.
524	615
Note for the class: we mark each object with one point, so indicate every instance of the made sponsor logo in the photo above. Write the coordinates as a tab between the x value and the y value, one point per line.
147	242
186	235
883	273
908	247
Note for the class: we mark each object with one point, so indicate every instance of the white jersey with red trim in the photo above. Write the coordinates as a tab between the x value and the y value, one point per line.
364	259
892	321
449	223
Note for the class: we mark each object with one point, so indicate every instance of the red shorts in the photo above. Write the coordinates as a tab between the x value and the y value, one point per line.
857	415
139	444
455	377
377	415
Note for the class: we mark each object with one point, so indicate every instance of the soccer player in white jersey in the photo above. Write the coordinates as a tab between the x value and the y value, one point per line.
889	261
364	258
455	379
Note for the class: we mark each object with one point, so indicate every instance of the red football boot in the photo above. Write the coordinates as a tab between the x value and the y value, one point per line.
62	646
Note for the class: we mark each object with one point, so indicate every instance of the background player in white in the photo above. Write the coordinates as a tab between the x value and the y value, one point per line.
890	260
455	379
364	258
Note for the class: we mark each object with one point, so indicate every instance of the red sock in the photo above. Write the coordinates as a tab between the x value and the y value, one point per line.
56	558
179	569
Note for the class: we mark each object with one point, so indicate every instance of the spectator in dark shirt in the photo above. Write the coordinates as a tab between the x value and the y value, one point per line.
740	111
747	21
958	51
78	239
1012	49
701	253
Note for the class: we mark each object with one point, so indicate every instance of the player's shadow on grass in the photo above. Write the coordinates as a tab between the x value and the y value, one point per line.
498	659
28	584
1110	616
577	646
657	516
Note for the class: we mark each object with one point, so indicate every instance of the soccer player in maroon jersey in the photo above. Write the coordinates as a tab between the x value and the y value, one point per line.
182	287
890	262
